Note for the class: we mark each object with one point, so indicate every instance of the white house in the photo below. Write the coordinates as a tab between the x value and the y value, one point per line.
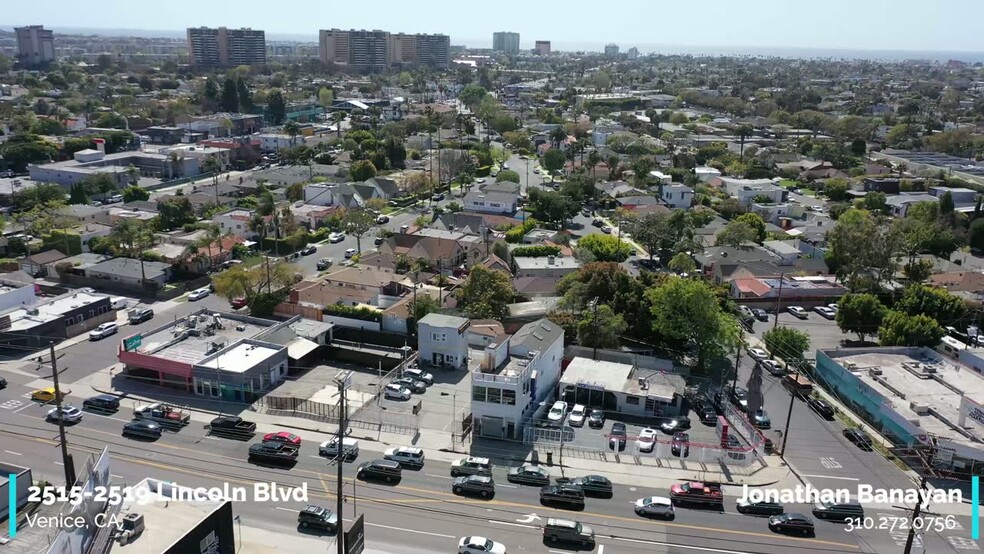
271	142
705	173
490	202
678	196
545	266
442	340
660	177
746	190
515	379
623	388
235	221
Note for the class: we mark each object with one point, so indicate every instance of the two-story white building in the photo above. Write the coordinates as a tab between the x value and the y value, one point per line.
545	266
235	221
515	379
677	196
490	202
442	340
747	190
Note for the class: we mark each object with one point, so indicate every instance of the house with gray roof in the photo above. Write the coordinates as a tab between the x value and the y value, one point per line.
491	202
129	273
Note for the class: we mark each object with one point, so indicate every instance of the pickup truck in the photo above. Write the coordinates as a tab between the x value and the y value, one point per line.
233	426
697	492
164	414
273	452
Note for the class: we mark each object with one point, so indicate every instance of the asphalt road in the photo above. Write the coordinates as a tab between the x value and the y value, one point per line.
418	514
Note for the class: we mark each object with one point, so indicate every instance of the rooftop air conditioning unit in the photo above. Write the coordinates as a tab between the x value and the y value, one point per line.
874	370
919	408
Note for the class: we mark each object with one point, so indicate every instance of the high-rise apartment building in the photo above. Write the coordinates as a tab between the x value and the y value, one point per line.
378	50
222	47
35	45
543	47
611	50
633	53
505	42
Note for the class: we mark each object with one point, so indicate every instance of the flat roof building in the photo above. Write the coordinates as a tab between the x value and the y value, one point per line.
505	42
222	47
35	45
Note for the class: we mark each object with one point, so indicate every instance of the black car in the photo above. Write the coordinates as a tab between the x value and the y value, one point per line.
822	408
101	403
323	264
378	240
791	523
308	250
618	437
675	425
596	419
569	495
859	438
139	315
760	314
273	452
592	485
318	517
142	428
739	397
387	470
3	383
708	415
680	445
481	485
650	265
759	508
416	386
528	475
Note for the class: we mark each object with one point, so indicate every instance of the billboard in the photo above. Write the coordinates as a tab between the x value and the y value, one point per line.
355	537
78	539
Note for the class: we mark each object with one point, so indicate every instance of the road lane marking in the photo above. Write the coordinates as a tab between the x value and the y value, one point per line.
281	508
25	406
443	536
58	463
438	476
12	452
831	477
677	545
511	524
507	486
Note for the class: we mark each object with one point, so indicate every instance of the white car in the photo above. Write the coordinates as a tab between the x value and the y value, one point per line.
419	375
70	414
336	237
797	311
654	506
557	412
349	253
647	440
825	312
104	330
758	354
396	392
773	367
480	545
350	448
405	456
198	294
471	465
578	414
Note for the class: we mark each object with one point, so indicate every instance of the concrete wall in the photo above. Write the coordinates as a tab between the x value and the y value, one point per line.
21	297
25	479
352	323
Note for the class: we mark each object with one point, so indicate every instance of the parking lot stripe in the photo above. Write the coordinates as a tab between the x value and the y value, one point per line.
831	477
438	476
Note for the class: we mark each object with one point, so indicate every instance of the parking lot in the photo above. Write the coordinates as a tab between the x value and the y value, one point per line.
441	406
823	332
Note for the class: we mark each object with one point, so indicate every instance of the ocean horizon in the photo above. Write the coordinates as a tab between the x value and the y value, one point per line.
795	52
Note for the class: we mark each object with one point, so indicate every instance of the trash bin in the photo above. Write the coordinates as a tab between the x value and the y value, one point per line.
549	458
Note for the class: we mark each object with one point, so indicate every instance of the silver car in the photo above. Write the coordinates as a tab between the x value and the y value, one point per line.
482	485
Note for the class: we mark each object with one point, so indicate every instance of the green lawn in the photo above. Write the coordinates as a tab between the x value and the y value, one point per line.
251	261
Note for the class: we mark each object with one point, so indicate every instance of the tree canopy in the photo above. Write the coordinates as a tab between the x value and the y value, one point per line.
486	294
860	314
787	343
604	248
900	329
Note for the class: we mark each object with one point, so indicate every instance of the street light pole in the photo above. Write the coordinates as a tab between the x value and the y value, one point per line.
67	460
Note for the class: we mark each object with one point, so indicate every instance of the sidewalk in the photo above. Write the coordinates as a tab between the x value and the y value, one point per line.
439	447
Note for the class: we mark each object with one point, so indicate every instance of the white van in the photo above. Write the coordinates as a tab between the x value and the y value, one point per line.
119	302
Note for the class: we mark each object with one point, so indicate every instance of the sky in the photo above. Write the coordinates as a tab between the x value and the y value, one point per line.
913	25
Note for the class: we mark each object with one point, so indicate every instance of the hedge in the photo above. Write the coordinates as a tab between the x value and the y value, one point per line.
535	251
353	312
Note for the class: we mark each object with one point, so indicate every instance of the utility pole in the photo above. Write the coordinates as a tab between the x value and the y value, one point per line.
268	273
789	414
918	509
67	460
734	380
342	378
594	307
782	277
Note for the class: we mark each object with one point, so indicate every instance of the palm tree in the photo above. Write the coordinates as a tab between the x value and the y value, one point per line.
292	129
337	118
134	238
743	132
558	136
594	158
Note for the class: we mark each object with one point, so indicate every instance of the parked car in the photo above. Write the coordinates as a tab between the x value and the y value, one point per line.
471	465
528	475
406	456
578	414
382	219
758	354
378	241
336	237
557	412
237	303
139	315
349	252
143	428
419	375
791	523
308	250
592	485
606	229
825	312
316	516
416	386
386	470
655	506
323	264
679	423
760	314
480	545
198	294
482	485
569	495
596	419
617	438
647	440
285	437
396	392
708	415
761	419
739	397
69	414
763	508
798	312
597	222
821	407
680	445
859	438
104	330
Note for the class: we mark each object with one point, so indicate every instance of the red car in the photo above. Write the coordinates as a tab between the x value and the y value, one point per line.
282	436
237	303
